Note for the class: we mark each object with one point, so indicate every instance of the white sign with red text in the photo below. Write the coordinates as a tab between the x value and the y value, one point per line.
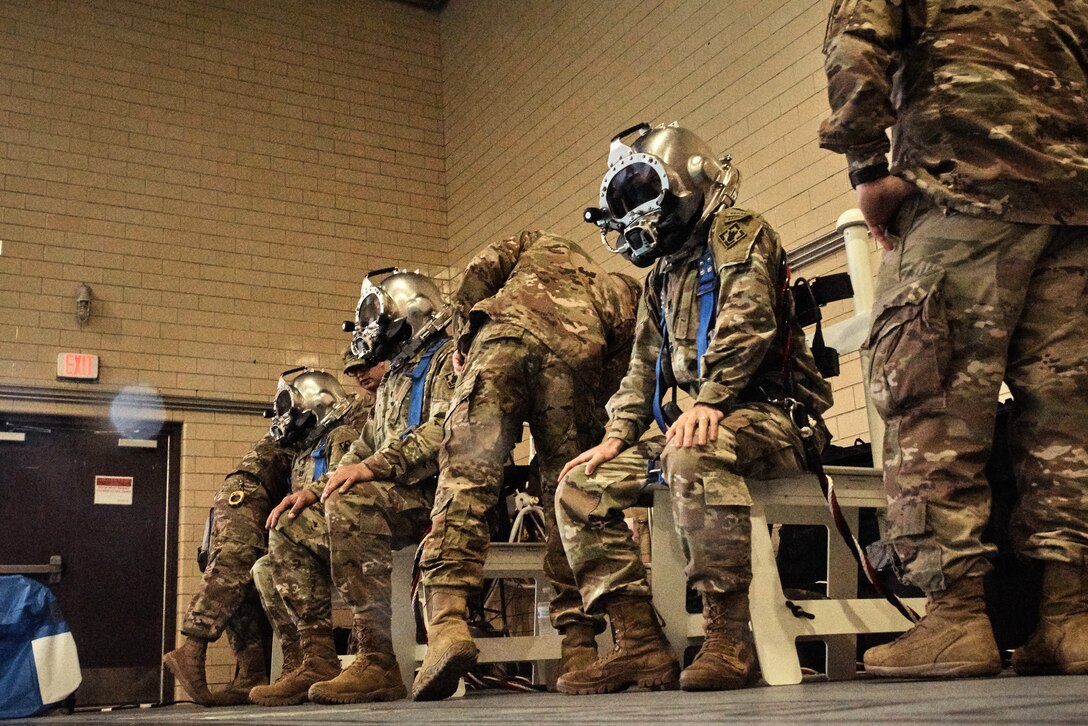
113	490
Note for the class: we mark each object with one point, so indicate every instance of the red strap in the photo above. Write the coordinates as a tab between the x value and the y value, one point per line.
860	556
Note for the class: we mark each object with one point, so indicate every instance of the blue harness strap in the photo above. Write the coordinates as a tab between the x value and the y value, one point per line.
321	457
706	294
419	383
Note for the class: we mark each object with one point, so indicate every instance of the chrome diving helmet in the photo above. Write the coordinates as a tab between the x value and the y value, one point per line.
395	318
307	401
658	189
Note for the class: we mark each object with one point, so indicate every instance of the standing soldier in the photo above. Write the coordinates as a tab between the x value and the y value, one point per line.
983	213
309	411
538	324
716	320
378	499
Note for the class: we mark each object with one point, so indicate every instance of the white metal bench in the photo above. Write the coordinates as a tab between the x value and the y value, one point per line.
836	620
504	560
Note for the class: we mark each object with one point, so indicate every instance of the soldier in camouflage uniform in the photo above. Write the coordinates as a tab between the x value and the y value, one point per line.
367	377
716	321
983	213
541	328
309	466
376	500
227	598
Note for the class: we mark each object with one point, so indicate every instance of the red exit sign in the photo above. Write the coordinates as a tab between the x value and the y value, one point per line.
77	366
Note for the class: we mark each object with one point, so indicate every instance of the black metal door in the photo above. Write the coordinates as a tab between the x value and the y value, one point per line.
107	507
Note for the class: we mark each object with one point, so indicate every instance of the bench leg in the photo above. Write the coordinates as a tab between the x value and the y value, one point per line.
772	631
842	584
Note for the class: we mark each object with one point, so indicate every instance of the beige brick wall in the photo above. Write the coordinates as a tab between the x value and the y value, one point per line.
534	90
221	173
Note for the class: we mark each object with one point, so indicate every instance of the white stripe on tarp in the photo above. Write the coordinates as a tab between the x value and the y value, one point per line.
57	666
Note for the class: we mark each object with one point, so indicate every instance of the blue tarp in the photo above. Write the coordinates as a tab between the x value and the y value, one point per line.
39	666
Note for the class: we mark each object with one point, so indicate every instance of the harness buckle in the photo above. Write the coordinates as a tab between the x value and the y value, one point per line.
797	413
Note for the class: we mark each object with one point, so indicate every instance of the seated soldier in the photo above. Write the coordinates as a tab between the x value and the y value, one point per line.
311	414
366	377
715	320
376	500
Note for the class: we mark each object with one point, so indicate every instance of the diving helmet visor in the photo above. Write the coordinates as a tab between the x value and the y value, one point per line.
633	186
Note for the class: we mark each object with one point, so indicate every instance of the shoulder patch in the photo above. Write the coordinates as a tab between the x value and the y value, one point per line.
732	236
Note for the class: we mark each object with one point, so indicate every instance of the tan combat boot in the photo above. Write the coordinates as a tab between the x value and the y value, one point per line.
727	658
450	650
1059	645
292	651
953	640
374	675
319	663
249	672
187	665
640	657
579	648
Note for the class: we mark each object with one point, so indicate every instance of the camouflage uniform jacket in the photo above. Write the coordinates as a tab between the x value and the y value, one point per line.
988	101
744	356
384	444
272	464
268	464
337	444
359	412
337	440
550	287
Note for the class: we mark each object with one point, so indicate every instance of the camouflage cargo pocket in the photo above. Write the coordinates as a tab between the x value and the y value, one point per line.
457	413
919	556
433	543
910	348
906	517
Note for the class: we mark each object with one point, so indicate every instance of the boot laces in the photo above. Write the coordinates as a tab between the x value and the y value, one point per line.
722	644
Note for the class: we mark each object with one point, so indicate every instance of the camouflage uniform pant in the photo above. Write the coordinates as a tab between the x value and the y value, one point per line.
710	501
962	304
227	598
274	607
509	378
353	542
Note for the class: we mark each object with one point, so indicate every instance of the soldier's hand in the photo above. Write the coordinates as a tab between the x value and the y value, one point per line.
697	426
607	450
458	362
292	504
879	201
344	477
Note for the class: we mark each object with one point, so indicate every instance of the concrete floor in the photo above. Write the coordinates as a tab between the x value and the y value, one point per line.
1007	699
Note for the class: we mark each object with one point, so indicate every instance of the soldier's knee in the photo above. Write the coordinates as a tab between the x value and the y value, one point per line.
574	500
686	463
261	568
277	540
346	504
